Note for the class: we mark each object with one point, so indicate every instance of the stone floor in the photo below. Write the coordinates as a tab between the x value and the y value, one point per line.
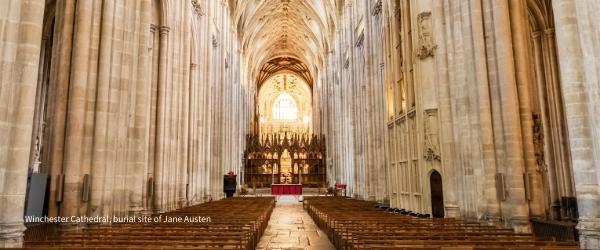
290	227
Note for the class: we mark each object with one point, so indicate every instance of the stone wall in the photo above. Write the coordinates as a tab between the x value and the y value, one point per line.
488	93
578	40
146	103
20	49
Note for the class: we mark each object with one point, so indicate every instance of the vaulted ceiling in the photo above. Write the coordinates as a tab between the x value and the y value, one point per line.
293	29
284	64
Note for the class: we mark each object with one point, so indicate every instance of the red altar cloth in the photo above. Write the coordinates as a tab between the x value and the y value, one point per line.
286	189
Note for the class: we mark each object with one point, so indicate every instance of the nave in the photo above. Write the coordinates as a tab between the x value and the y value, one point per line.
290	227
483	111
316	223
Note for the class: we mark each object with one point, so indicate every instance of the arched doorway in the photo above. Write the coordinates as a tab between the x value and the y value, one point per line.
437	195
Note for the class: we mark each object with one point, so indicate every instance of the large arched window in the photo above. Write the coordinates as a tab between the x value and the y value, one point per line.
284	108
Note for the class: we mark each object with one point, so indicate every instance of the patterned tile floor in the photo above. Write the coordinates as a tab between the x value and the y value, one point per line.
290	227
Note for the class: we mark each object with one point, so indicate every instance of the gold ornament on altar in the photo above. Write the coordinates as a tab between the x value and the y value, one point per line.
286	178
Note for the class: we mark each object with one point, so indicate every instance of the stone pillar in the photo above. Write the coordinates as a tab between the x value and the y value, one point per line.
20	47
520	36
186	94
143	88
193	157
563	165
161	121
58	93
450	170
576	35
380	117
152	111
98	204
205	121
492	206
77	137
516	211
550	179
38	143
370	69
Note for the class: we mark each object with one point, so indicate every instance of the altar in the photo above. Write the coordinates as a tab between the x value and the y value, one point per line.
284	159
286	189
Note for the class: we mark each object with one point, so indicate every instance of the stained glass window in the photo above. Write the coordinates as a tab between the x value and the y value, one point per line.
284	107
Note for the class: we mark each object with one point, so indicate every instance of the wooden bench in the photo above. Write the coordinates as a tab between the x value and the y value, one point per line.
354	224
235	223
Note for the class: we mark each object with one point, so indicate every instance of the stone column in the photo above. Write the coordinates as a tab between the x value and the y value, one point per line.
152	111
576	26
143	88
520	36
204	116
369	70
58	93
492	206
98	206
193	156
563	164
550	179
208	115
37	139
76	140
517	210
186	94
20	47
380	117
161	121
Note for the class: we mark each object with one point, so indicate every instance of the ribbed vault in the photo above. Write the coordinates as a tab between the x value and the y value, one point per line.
280	64
272	29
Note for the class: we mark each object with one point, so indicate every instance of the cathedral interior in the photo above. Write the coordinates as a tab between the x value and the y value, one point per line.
478	111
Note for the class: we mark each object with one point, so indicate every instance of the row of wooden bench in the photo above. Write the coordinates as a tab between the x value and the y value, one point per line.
355	224
233	223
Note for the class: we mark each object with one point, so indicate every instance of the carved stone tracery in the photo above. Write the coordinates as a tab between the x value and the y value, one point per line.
265	152
377	8
426	47
538	141
197	7
430	129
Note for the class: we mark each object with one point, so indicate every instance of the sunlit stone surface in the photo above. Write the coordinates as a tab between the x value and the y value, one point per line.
137	107
291	227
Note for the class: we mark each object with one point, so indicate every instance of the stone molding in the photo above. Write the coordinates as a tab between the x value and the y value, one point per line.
164	30
198	9
360	40
426	47
215	42
11	234
377	8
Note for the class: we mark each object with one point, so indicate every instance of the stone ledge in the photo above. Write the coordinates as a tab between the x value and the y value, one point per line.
589	233
11	234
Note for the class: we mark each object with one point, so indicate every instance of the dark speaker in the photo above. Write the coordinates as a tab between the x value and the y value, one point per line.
86	187
60	185
500	187
568	208
150	187
572	206
527	180
36	194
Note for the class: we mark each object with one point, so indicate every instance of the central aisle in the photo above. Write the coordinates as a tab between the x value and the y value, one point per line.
290	227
